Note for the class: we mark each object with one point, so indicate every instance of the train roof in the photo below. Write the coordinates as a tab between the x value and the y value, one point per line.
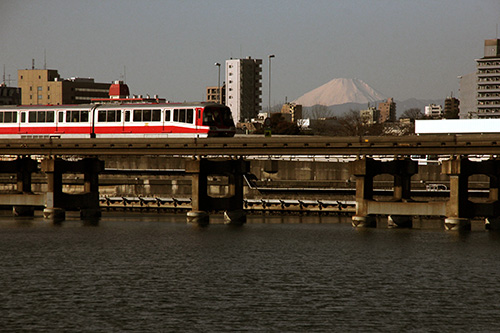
106	105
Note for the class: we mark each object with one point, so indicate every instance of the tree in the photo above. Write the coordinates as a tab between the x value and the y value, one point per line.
320	111
412	114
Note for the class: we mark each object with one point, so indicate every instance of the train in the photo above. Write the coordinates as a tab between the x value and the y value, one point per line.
117	120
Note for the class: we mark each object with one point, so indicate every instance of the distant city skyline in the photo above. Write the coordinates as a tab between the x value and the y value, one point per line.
404	49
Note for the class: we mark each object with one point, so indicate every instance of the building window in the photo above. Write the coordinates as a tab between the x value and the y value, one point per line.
39	88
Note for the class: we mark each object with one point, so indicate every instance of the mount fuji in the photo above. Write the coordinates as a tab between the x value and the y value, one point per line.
341	91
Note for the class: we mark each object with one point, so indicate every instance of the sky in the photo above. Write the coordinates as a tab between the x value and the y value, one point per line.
402	48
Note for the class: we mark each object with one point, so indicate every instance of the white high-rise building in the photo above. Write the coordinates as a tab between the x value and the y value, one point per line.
488	80
244	88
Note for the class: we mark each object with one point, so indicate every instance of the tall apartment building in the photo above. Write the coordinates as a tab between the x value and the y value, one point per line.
387	111
468	95
45	86
451	108
244	88
488	80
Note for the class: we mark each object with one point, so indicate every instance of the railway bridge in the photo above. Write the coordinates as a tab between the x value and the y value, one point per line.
374	155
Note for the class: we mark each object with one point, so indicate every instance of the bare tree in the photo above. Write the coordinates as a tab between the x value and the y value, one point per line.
320	111
412	114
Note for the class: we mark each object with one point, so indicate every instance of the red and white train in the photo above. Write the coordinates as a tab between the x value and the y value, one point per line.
117	120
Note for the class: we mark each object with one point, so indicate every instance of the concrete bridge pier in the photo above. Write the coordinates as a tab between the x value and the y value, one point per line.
24	167
57	202
202	203
399	211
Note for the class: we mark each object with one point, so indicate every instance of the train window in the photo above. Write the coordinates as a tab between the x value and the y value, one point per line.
182	115
176	114
109	116
167	115
156	115
101	116
84	116
147	115
23	117
40	116
76	116
8	117
61	116
189	116
127	115
137	115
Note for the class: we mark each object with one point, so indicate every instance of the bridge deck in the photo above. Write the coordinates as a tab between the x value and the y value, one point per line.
255	145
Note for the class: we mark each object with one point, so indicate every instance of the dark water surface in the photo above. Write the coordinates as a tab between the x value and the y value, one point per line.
154	273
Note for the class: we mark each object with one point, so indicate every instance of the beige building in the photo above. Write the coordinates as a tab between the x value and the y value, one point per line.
387	111
45	86
293	111
370	116
213	94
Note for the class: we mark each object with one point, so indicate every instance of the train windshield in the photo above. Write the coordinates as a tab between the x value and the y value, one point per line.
217	116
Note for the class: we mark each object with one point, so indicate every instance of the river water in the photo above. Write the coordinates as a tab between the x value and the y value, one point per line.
155	273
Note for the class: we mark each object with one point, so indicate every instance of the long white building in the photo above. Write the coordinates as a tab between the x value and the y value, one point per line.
244	88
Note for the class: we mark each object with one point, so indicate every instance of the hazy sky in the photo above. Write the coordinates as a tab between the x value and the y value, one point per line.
403	49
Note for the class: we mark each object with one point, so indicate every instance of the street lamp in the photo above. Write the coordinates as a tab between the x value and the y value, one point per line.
269	105
218	82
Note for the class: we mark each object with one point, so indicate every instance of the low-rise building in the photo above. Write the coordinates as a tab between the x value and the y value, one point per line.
433	111
370	116
294	111
9	95
216	94
46	87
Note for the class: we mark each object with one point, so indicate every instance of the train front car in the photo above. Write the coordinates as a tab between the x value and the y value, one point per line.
219	120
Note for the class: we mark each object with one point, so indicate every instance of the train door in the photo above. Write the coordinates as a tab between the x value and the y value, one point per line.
22	121
127	121
198	121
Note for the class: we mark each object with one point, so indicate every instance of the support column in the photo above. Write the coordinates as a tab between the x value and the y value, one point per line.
364	192
57	202
457	207
24	168
53	201
198	214
202	203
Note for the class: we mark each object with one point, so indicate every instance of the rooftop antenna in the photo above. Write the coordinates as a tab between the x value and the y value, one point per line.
3	78
33	63
44	58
